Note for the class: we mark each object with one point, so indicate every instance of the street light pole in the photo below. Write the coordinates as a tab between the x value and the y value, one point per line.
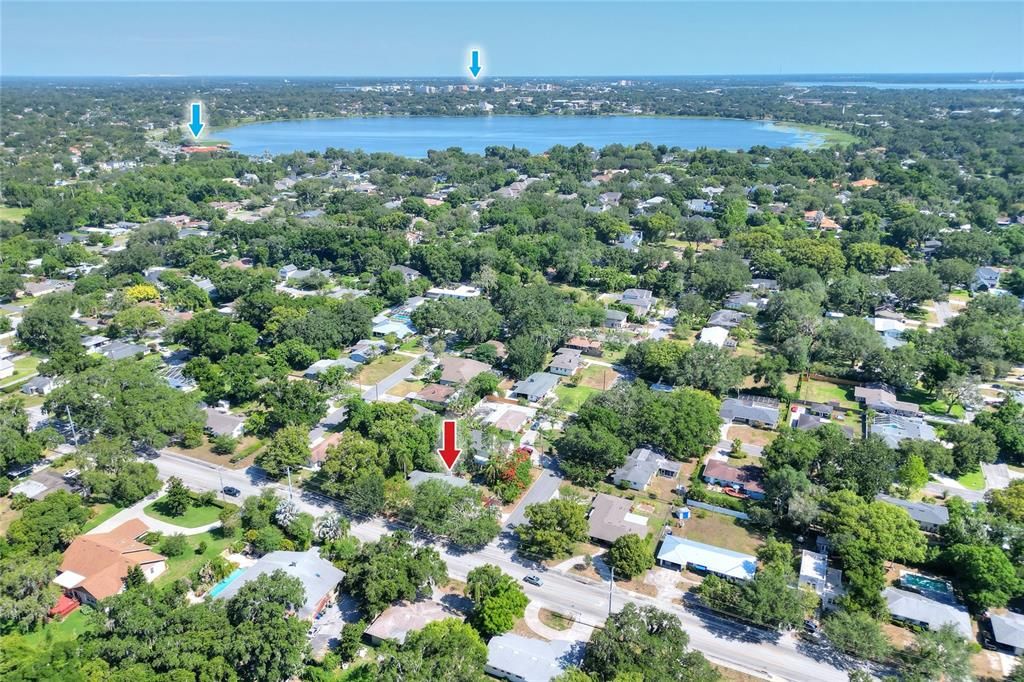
74	431
288	470
220	475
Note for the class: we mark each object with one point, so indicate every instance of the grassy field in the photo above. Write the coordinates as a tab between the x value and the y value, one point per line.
598	377
403	388
101	512
750	435
572	398
823	392
555	621
205	453
381	368
14	215
182	566
930	405
973	481
71	627
722	531
193	517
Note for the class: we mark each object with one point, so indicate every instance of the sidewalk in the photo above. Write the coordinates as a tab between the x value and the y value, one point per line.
136	511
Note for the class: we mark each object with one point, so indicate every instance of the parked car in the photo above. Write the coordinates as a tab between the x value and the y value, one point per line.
71	474
231	491
533	580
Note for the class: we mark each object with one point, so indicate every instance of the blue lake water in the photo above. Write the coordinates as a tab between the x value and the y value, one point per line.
414	136
899	85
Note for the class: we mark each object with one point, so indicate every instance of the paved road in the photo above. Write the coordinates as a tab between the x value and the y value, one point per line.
722	641
379	390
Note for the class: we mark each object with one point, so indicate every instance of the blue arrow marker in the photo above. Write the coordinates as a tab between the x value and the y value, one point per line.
475	67
196	125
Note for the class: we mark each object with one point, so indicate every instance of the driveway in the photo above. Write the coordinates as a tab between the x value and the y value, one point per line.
542	490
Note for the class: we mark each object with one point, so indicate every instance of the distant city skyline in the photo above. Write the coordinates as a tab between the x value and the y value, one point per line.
586	39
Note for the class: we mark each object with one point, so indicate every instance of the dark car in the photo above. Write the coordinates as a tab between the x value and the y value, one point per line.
231	490
533	580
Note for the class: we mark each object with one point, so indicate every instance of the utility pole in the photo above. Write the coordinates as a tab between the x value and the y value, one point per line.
288	470
220	475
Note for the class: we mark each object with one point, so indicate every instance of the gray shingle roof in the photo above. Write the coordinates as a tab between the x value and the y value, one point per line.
532	660
935	514
915	607
318	576
1008	629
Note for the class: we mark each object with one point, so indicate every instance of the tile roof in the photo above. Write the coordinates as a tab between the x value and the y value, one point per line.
102	560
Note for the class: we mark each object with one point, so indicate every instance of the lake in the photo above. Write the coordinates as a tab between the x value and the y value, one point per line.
414	136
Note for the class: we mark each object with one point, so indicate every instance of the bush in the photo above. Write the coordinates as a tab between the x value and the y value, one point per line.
174	545
193	436
202	547
223	445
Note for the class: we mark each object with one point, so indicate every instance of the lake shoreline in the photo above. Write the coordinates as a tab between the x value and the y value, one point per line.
807	136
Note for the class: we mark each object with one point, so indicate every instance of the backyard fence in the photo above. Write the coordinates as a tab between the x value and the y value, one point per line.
718	510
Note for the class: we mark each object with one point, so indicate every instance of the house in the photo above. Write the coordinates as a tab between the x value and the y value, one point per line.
882	399
610	198
535	387
94	566
416	478
986	278
435	393
224	424
39	385
745	301
1008	631
615	319
524	659
565	363
745	479
866	183
640	300
630	242
612	517
386	326
396	622
749	409
460	292
809	422
320	366
763	284
409	274
585	346
726	318
318	576
641	466
894	429
923	612
678	553
120	350
715	336
366	350
6	368
930	517
700	206
826	582
460	371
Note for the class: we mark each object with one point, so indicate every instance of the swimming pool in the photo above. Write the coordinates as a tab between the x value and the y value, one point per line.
921	583
222	585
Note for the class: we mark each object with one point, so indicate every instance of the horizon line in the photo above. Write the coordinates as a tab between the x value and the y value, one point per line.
990	75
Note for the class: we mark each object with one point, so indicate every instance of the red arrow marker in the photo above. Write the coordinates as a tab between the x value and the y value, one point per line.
449	453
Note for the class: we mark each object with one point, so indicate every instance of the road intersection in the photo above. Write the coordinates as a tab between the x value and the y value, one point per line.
750	650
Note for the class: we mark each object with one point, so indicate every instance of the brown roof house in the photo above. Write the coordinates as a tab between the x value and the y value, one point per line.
461	370
94	566
612	517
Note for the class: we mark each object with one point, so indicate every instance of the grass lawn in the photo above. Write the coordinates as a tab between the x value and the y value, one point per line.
381	368
613	355
413	344
823	391
972	481
750	435
205	453
101	512
182	566
403	388
571	398
930	405
722	531
74	625
598	377
193	517
555	621
14	215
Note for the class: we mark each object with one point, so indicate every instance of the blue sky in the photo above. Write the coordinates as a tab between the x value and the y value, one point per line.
516	38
